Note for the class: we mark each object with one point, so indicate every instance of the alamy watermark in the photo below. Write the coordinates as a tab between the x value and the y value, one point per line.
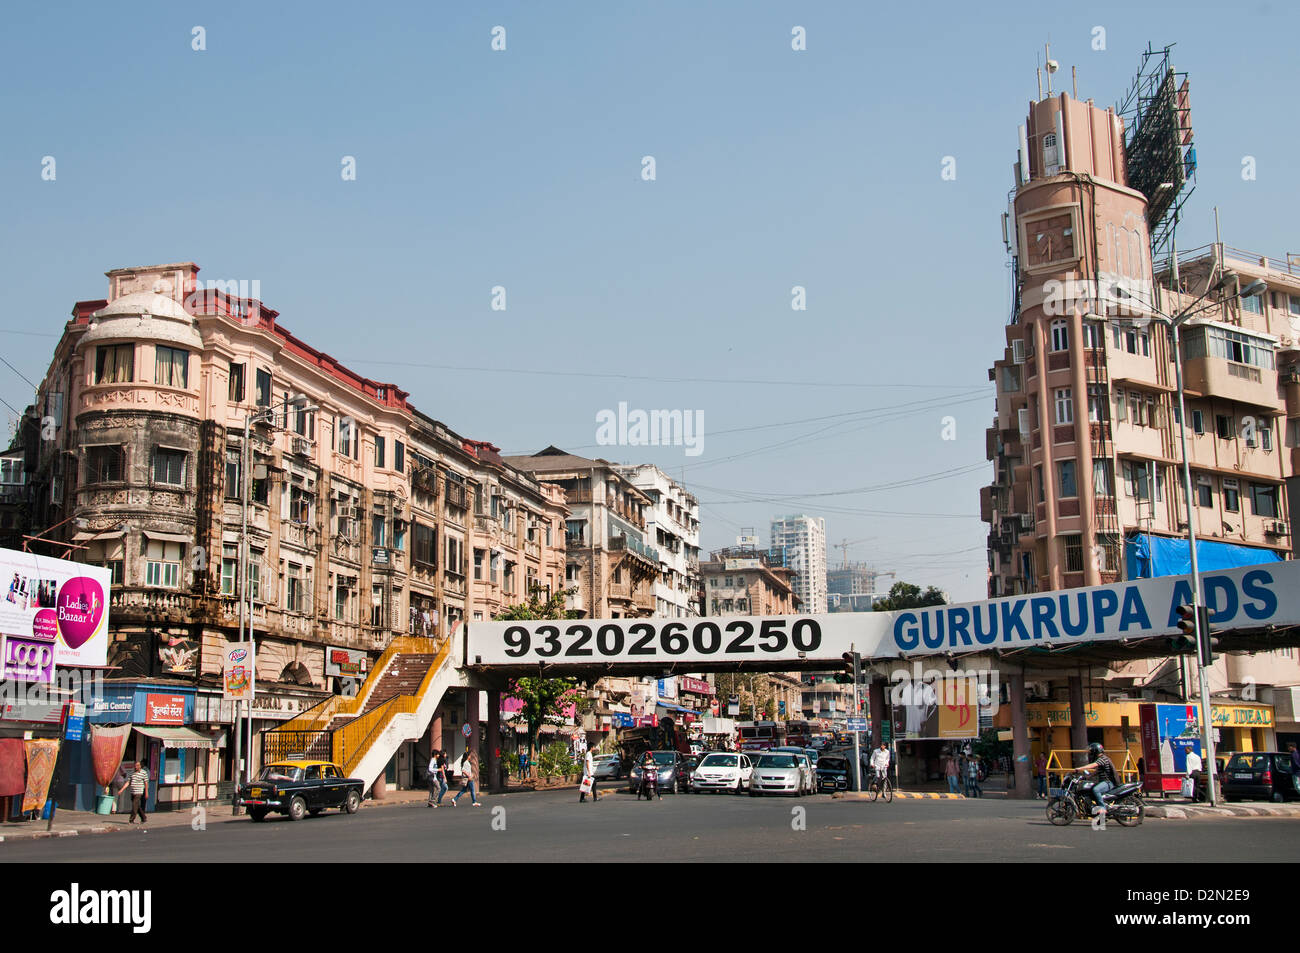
651	428
932	686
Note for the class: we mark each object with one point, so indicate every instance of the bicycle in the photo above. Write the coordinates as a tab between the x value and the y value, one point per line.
880	784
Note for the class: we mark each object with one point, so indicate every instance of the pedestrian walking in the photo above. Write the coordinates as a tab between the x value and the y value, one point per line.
139	784
950	770
469	778
437	777
973	778
588	778
1040	775
523	763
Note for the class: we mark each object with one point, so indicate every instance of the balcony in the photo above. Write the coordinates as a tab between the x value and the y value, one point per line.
163	604
1216	377
632	545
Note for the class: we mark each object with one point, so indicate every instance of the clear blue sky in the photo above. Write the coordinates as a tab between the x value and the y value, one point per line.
522	168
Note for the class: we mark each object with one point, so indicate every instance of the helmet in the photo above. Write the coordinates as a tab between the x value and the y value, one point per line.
1094	749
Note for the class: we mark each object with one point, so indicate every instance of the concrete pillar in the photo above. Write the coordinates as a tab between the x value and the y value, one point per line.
435	734
1078	717
1020	738
879	709
494	742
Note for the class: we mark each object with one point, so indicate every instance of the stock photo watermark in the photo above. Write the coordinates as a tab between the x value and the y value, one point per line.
651	428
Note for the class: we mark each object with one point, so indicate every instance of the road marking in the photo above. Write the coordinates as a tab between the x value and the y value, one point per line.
1058	846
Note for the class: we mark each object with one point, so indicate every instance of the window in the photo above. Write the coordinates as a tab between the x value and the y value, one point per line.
1065	476
347	430
1223	426
345	598
377	606
1204	492
1198	422
1133	340
263	388
399	456
105	465
1098	404
381	458
1060	335
115	364
1092	334
229	568
1137	480
1102	483
169	466
1064	406
494	568
1263	500
478	565
108	554
236	391
163	565
425	540
1253	304
1231	495
171	367
1295	304
378	530
1121	406
1266	435
304	420
297	589
300	503
1236	346
455	556
1072	545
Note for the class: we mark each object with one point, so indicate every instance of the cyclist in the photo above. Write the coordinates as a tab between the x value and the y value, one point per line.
880	762
1104	768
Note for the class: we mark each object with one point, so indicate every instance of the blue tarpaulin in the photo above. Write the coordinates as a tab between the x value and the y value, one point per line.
1148	555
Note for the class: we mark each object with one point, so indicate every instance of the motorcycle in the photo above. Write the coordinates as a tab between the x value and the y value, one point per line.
1124	804
649	783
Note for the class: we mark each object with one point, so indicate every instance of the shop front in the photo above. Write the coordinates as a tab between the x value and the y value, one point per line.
1114	725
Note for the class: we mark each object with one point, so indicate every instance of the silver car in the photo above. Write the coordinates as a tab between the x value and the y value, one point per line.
807	759
778	773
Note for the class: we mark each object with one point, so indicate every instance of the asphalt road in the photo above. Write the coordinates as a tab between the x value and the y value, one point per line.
553	826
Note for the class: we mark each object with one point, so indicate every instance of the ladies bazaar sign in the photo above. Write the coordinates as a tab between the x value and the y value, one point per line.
58	602
1247	597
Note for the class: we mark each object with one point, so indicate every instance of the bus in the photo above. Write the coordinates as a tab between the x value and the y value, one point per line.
760	735
799	733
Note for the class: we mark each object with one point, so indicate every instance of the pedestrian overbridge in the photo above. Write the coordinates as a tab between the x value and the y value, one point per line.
1252	608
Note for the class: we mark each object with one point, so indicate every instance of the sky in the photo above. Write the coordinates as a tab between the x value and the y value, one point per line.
524	169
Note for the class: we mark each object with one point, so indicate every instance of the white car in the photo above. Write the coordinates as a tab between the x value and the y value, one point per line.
778	773
807	768
722	771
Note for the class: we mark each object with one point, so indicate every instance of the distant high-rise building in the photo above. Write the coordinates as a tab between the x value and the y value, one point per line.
803	538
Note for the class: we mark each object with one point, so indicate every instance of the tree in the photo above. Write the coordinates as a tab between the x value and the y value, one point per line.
543	699
904	595
755	691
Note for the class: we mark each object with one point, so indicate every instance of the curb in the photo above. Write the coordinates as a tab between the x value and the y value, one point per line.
1186	811
918	795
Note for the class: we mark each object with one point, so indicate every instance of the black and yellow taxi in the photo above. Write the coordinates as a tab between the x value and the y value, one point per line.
295	788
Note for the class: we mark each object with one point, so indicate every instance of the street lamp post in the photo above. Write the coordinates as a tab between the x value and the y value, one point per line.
245	590
1175	323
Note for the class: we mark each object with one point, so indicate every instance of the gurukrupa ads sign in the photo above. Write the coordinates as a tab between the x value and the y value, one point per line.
57	602
1247	597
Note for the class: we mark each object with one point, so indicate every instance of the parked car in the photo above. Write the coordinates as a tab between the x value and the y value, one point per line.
779	772
1259	774
722	771
608	767
833	773
672	769
295	788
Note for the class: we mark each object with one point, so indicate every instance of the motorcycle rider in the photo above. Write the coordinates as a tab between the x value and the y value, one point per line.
1104	768
649	778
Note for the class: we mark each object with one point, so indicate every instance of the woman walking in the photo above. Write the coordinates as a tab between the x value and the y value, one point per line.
469	778
437	777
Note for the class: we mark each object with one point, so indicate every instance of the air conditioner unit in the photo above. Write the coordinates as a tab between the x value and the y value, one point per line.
302	446
1038	689
1278	528
1118	697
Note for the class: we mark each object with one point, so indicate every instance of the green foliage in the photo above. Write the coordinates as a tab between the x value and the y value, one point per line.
904	595
555	761
990	748
543	698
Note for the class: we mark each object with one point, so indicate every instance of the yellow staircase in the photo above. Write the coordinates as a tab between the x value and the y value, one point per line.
362	733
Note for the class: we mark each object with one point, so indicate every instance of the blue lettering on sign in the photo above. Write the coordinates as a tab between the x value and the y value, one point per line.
1133	612
1044	612
905	637
1011	620
990	636
1182	597
932	642
1255	585
959	621
1224	610
1104	603
1075	628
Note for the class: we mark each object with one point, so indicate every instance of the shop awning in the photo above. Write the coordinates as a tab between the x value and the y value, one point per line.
182	737
672	707
167	537
106	535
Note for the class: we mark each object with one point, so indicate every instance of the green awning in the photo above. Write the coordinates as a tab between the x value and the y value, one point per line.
182	737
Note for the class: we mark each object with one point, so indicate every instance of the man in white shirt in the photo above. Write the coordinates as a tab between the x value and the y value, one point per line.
588	772
1194	767
880	760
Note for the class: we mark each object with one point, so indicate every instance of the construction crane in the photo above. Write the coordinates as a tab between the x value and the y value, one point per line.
844	547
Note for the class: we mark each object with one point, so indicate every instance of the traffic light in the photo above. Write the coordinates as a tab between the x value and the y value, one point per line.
1185	641
852	669
1208	642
